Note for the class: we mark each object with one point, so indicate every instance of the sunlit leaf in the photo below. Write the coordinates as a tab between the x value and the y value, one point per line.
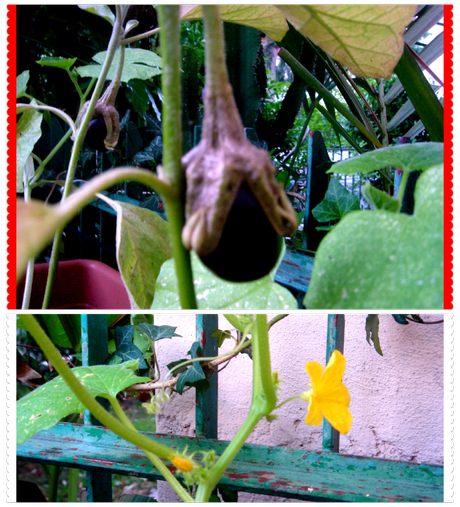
378	199
138	64
213	293
47	405
21	83
100	10
368	39
55	61
266	18
28	132
381	259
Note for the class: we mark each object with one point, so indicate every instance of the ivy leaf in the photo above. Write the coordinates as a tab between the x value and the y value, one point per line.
194	373
126	350
47	405
220	336
155	333
372	332
401	318
213	293
380	259
337	202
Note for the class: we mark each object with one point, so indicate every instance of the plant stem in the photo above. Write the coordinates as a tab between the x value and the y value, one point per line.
156	461
25	107
31	263
172	149
263	402
54	483
326	95
85	397
117	32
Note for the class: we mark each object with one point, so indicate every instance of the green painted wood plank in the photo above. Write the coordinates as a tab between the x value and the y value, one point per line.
294	473
295	270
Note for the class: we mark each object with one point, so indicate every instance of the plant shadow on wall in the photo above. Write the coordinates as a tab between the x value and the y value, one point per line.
228	202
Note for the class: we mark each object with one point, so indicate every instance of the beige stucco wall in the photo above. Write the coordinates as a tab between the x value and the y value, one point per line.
396	400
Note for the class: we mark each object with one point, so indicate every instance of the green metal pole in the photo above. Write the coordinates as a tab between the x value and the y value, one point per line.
94	341
335	341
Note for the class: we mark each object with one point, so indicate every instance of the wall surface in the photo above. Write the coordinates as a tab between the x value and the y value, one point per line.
396	400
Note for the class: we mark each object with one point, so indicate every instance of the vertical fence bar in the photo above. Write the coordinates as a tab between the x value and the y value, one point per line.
94	338
335	340
206	403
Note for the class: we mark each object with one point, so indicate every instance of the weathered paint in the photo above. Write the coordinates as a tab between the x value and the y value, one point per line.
293	473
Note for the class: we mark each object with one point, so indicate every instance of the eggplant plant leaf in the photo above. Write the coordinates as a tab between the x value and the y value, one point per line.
213	293
143	246
58	62
28	132
21	83
368	39
47	405
378	199
380	259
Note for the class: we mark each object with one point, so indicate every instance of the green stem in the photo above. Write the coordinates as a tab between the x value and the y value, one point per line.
72	484
402	186
172	149
263	402
85	397
326	95
24	107
156	461
117	32
29	278
54	483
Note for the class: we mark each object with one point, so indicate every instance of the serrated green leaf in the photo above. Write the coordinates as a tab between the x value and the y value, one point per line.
21	83
337	202
378	199
407	157
57	61
372	332
379	259
47	405
213	293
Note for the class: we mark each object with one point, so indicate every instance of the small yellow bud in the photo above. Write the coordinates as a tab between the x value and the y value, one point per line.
183	464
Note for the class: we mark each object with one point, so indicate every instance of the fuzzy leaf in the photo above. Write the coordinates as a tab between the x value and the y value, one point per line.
57	61
47	405
213	293
368	39
407	157
378	199
380	259
21	83
100	10
28	132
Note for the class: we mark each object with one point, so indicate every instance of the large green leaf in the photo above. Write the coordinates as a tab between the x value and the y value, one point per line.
381	259
143	246
368	39
138	64
213	293
47	405
266	18
407	157
100	10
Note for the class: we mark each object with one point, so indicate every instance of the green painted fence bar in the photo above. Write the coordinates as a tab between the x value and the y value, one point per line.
94	337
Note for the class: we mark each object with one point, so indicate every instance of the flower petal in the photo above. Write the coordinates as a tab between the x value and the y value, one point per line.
338	416
315	370
314	416
334	370
336	394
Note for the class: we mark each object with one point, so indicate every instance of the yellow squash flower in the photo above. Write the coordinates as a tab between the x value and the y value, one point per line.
329	396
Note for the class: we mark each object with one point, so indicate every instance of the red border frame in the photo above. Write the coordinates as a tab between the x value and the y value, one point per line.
11	157
448	157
